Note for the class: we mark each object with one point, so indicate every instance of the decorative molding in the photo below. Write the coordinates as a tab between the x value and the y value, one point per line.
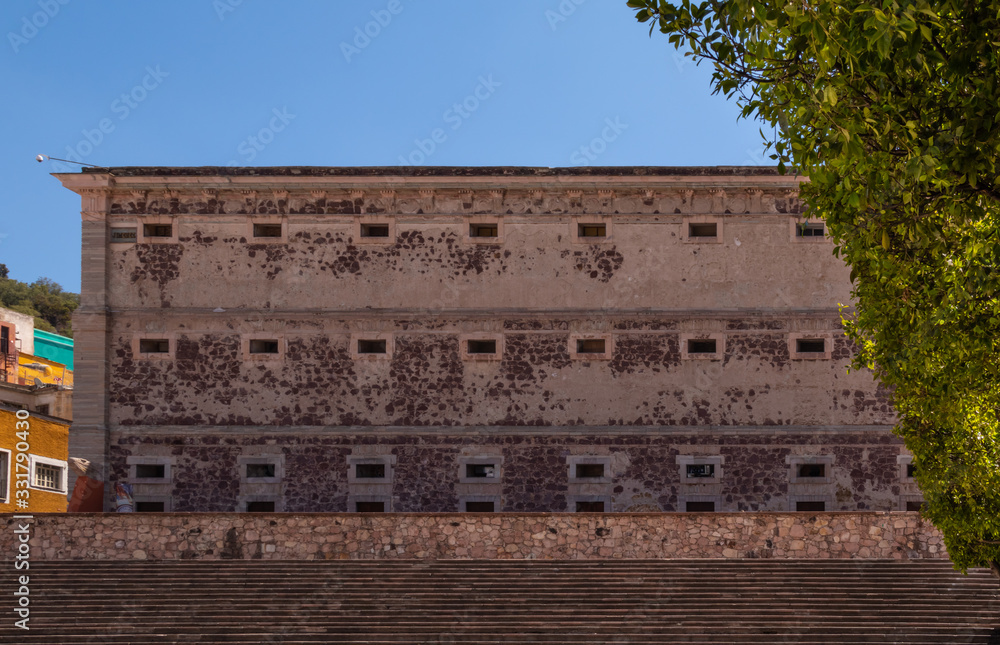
557	201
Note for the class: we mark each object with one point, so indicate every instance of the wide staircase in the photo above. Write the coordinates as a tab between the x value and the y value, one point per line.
475	601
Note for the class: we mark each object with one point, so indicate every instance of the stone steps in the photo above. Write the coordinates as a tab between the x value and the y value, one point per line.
698	602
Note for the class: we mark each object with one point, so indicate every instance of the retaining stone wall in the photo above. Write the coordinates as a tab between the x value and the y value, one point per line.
286	536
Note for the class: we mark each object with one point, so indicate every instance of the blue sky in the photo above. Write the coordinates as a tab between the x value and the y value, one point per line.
325	83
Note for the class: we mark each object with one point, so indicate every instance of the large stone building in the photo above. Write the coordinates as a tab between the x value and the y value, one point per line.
472	339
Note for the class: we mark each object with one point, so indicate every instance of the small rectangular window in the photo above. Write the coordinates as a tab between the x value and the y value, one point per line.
260	507
267	230
700	507
592	230
482	347
157	230
915	506
371	347
810	507
122	235
260	470
480	470
369	507
48	477
708	229
374	230
42	409
150	507
479	507
263	346
154	346
484	230
590	507
584	471
810	345
590	346
369	471
701	346
911	470
811	229
812	470
150	471
695	471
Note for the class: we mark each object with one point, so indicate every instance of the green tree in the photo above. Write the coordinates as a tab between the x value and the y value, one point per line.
51	307
891	111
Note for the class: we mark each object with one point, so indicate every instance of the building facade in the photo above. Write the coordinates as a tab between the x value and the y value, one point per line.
28	380
471	339
34	473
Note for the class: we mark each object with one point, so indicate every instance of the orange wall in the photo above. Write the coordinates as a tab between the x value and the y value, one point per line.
46	438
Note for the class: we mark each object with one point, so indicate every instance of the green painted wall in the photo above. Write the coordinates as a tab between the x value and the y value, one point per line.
54	347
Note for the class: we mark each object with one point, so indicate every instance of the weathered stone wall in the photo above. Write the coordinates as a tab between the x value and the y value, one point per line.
644	474
426	381
200	279
560	536
429	264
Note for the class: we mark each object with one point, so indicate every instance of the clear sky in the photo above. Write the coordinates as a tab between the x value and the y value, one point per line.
334	83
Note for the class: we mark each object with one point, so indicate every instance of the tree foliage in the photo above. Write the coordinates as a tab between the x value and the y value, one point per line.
44	299
891	111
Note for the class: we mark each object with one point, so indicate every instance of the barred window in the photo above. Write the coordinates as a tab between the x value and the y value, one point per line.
48	476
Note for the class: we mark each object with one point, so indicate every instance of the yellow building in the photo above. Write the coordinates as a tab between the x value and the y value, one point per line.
30	367
37	481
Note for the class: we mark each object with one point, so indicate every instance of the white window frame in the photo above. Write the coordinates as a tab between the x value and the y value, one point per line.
591	220
246	339
825	355
267	221
279	469
794	461
717	355
683	461
6	490
34	461
156	220
494	460
686	237
390	346
904	461
166	462
353	460
796	222
574	460
609	347
138	337
463	347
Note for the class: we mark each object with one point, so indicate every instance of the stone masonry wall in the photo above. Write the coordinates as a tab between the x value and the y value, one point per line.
534	380
543	536
643	470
